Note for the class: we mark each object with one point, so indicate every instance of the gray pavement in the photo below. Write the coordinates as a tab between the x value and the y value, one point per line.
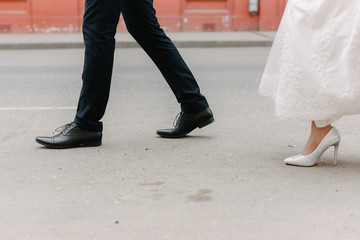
124	40
224	182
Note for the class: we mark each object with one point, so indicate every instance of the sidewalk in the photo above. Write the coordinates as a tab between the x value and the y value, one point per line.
124	40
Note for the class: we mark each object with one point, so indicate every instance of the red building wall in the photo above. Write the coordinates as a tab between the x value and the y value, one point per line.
65	16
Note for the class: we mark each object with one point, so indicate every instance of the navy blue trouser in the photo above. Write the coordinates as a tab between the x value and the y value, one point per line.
100	21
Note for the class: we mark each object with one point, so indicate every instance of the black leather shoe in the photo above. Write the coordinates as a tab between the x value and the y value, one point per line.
71	136
187	122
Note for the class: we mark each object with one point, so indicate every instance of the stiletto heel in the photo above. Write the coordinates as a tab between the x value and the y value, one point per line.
336	150
332	138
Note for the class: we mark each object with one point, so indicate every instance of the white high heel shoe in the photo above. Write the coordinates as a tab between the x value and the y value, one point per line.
332	138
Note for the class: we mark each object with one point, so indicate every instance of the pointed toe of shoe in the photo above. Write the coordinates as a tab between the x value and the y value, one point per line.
301	160
162	131
293	159
169	133
43	140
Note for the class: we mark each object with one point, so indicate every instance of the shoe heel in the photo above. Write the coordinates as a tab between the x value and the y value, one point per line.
336	150
207	122
92	144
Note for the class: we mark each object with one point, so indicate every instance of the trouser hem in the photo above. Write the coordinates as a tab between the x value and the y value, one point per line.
89	126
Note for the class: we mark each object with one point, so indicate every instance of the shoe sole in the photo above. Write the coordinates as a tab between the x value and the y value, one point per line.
296	165
88	144
201	125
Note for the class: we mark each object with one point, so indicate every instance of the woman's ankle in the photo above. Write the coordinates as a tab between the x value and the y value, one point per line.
315	138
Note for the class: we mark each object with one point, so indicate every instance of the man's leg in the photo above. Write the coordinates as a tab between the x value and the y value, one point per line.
100	21
142	24
99	28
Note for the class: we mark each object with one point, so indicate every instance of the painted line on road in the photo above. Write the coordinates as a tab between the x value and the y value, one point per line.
35	108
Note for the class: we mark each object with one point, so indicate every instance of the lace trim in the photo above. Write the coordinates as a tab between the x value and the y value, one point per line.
325	96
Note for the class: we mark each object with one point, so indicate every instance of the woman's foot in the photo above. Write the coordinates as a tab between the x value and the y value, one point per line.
315	138
319	141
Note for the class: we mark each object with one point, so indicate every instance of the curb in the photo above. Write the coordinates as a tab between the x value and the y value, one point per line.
179	44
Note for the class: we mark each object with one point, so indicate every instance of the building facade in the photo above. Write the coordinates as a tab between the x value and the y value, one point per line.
65	16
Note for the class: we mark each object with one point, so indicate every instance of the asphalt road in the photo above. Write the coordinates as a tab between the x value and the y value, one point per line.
226	181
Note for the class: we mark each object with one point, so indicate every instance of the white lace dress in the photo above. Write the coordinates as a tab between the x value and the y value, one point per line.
313	71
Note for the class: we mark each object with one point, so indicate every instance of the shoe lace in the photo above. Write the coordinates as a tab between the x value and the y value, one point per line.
177	118
62	128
